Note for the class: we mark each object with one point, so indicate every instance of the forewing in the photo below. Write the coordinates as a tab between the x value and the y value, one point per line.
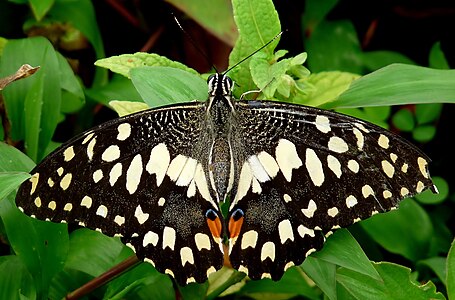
307	173
140	177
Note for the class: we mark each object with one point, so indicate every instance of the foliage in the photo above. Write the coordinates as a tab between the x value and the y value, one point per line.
49	262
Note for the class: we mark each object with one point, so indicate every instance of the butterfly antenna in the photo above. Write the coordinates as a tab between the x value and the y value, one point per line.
256	51
190	38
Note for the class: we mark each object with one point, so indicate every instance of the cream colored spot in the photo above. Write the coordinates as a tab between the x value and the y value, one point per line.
169	272
148	260
176	167
168	237
287	158
190	280
115	173
52	205
288	265
420	186
285	231
38	202
351	201
314	167
386	194
383	141
353	166
134	174
388	169
66	181
361	127
302	230
338	145
86	201
333	211
268	250
322	124
140	215
249	239
119	220
97	175
404	192
211	270
111	153
150	238
245	180
161	201
187	174
309	211
87	138
68	207
356	220
158	162
367	191
129	245
393	157
186	256
243	269
266	275
287	198
308	253
202	241
360	139
404	168
68	154
422	166
60	171
124	131
102	211
50	182
269	163
90	148
34	180
201	183
258	170
334	165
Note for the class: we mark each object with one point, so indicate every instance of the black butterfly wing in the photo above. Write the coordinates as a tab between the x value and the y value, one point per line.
141	177
309	172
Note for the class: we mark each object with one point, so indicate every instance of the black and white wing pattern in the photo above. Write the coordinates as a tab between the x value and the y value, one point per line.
139	177
309	172
292	174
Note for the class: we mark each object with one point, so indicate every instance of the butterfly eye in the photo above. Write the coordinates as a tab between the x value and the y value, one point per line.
211	215
210	78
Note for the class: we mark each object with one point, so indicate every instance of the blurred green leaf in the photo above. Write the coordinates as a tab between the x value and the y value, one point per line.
450	279
403	120
399	84
73	97
437	265
315	12
395	283
437	58
15	280
164	85
424	133
374	60
9	181
216	17
40	7
396	234
118	88
13	160
426	113
428	197
323	274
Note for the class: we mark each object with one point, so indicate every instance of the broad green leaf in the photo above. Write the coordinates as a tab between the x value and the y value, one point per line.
323	274
428	197
73	97
399	84
437	58
394	232
15	280
374	60
258	23
437	265
123	64
9	181
40	7
395	284
333	46
118	88
81	15
325	87
216	17
315	12
426	113
294	282
450	279
124	108
343	250
32	104
424	133
13	160
164	85
41	246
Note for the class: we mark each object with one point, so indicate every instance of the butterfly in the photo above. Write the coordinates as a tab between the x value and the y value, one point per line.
288	174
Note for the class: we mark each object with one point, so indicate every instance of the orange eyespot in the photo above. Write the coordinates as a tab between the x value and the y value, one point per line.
235	223
214	223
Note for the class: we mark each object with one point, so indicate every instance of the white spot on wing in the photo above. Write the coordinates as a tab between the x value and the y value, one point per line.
333	211
383	141
314	167
34	180
309	211
134	174
176	166
187	173
269	163
186	256
159	162
337	144
202	241
322	124
287	158
351	201
124	131
86	201
102	211
140	215
302	230
37	202
52	205
68	154
268	250
150	238
285	231
97	175
66	181
90	148
115	173
334	165
422	166
388	169
258	169
119	220
168	237
111	153
249	239
353	165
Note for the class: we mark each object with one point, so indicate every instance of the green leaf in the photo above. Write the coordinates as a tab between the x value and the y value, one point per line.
325	87
399	84
395	283
424	133
15	280
323	274
333	46
403	120
437	58
9	181
73	97
374	60
40	7
123	64
315	12
437	265
343	250
33	104
13	160
428	197
450	279
118	88
123	108
394	232
426	113
164	85
216	17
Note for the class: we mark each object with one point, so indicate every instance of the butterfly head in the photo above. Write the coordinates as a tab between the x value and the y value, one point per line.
219	85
